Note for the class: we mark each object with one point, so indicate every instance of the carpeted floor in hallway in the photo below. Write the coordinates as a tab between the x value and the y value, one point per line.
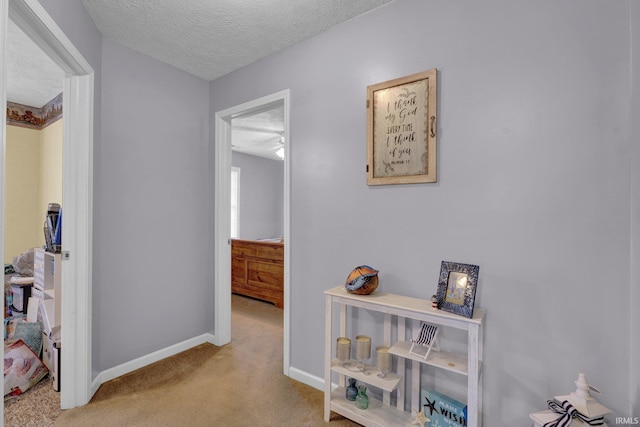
240	384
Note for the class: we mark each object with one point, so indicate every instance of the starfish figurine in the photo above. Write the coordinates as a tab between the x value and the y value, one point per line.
431	405
420	418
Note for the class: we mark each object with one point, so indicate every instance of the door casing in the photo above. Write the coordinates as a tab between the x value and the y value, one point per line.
222	226
77	202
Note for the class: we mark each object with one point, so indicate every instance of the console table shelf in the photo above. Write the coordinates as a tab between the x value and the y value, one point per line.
448	361
405	309
377	414
369	376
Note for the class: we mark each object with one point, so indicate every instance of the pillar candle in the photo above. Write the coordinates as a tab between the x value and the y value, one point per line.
343	349
384	359
363	347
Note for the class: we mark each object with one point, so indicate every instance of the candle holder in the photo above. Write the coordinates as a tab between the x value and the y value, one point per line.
343	350
384	361
363	351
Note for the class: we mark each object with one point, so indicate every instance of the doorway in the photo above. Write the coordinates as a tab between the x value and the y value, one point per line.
222	199
33	190
77	175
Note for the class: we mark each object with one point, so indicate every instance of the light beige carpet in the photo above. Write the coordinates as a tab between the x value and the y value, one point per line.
38	407
240	384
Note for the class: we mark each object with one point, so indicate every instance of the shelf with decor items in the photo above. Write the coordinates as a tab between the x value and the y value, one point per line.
388	383
407	311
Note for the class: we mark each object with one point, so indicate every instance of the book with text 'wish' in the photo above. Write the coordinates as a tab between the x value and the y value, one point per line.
442	409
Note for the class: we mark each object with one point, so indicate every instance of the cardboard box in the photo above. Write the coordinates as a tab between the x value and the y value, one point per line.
442	409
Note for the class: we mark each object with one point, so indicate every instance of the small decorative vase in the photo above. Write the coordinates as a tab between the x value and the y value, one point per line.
362	400
351	391
362	280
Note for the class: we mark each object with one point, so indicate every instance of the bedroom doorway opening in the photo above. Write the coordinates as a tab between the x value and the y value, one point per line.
77	172
33	188
257	205
224	140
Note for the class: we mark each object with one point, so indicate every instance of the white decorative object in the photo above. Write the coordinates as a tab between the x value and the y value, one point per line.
420	418
426	341
582	400
578	408
384	361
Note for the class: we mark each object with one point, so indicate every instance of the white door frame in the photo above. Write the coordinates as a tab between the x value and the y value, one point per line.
77	201
222	198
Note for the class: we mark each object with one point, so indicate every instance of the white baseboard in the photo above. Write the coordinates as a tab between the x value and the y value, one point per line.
143	361
306	378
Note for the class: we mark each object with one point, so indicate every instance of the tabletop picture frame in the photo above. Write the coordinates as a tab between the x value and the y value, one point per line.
402	130
457	288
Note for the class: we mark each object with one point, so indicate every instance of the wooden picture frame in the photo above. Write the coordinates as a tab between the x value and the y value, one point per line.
401	130
457	288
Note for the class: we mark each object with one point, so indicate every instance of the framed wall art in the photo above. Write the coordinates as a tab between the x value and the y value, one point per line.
401	130
457	288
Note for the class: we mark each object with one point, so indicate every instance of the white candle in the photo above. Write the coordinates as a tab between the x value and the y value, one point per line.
343	349
384	360
363	347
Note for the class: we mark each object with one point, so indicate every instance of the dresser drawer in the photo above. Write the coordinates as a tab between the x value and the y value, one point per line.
265	275
242	249
238	269
274	252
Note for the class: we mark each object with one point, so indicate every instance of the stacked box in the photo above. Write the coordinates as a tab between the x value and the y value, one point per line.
442	409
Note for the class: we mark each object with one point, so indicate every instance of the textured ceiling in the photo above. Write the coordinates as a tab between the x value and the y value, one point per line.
210	38
33	78
207	38
260	134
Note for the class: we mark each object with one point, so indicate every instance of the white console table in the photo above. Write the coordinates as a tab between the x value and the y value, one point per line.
382	413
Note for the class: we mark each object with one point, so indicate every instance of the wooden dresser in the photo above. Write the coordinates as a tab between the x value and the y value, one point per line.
257	270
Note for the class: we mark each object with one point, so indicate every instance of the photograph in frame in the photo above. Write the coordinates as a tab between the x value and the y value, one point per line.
457	288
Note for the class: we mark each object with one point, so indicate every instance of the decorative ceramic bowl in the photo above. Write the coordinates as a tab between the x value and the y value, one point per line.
362	280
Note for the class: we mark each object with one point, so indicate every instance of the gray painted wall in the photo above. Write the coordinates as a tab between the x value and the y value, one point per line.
634	393
153	208
77	25
154	241
261	196
533	182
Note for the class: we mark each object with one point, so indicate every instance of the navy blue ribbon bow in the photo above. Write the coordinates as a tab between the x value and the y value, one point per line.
568	413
